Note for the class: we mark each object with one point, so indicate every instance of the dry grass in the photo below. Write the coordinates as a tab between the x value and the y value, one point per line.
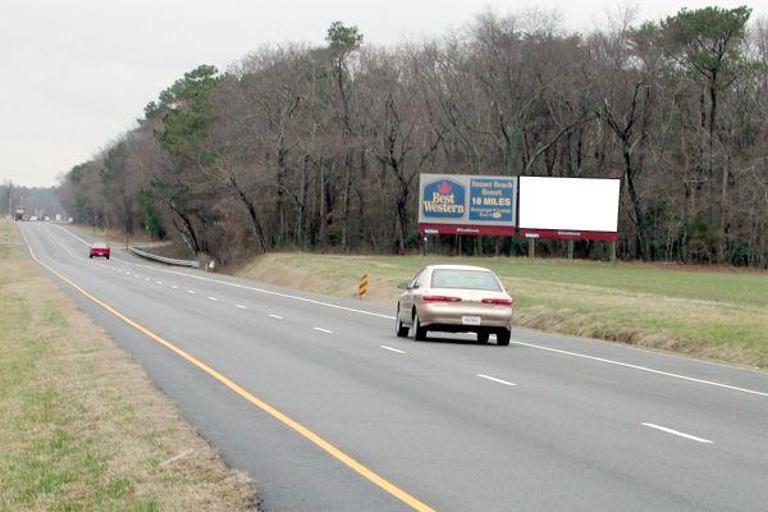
720	315
81	425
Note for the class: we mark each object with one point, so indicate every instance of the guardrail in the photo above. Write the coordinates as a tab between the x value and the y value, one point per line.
162	259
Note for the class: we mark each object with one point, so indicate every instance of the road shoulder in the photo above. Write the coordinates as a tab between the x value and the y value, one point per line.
82	426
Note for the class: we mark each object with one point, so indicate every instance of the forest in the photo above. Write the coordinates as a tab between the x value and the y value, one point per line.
38	201
320	147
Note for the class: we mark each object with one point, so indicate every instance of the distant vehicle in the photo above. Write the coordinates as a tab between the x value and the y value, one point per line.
455	298
47	218
33	218
99	250
18	214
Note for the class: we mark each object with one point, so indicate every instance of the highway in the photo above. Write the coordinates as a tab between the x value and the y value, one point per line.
318	401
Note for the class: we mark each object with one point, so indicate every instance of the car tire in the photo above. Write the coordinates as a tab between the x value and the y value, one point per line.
90	256
503	337
419	332
400	329
482	337
107	256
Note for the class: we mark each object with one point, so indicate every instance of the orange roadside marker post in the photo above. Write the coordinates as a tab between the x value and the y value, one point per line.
362	286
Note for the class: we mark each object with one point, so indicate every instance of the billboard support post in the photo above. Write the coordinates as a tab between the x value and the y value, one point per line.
570	248
531	247
612	251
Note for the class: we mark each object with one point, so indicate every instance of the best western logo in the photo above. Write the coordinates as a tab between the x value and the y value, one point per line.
444	199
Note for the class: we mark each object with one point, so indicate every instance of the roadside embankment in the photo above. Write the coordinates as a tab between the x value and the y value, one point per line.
81	425
719	314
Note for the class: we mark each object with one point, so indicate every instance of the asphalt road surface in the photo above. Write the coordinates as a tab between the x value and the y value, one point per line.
327	410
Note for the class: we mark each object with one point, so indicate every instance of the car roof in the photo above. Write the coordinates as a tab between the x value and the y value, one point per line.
457	267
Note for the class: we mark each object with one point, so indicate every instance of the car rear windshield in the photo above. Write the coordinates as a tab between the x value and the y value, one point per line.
465	279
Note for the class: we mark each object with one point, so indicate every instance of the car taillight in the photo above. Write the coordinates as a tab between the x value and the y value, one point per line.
440	298
498	302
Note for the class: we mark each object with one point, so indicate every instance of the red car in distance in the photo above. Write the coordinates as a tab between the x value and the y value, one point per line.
99	250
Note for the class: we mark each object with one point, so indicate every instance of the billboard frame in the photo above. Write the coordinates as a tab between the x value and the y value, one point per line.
567	233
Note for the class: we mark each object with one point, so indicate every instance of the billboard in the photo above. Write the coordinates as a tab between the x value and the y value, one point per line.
467	204
584	208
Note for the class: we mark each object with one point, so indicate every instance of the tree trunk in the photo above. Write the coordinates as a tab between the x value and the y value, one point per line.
321	207
252	214
347	193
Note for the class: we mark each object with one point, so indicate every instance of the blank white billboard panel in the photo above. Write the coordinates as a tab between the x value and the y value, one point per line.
575	204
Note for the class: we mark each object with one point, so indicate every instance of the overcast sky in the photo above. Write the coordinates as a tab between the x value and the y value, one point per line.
77	73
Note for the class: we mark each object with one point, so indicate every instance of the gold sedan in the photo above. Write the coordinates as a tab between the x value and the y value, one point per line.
454	298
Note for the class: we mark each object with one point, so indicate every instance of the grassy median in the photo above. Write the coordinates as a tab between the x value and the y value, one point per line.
81	425
719	314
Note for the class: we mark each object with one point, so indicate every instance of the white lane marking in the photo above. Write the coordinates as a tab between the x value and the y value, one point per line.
320	329
390	317
174	287
213	299
245	287
678	433
276	317
159	282
74	235
146	279
494	379
392	349
643	368
240	306
191	291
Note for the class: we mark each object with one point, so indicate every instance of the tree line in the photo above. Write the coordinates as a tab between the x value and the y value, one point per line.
321	147
40	201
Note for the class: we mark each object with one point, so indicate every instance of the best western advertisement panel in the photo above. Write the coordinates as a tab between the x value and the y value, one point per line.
467	204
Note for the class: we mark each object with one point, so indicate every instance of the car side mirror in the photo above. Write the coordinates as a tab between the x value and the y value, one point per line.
403	285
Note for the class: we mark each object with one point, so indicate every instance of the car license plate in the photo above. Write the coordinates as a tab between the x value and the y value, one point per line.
470	320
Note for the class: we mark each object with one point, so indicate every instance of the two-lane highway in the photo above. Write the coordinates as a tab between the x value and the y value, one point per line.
318	400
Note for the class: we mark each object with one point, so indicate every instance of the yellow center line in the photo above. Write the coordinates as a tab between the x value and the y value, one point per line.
305	432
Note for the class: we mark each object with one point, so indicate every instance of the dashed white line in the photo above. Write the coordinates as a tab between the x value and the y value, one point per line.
245	287
213	299
320	329
276	317
173	286
159	282
191	291
678	433
642	368
392	349
389	317
497	380
240	306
